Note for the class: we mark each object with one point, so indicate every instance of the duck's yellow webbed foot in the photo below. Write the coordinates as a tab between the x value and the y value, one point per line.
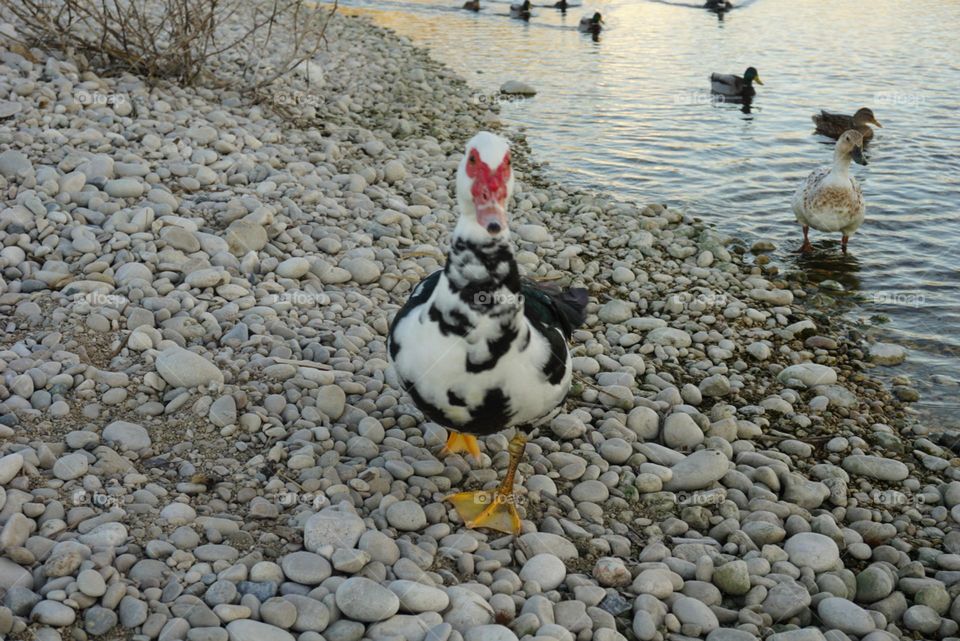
493	509
459	442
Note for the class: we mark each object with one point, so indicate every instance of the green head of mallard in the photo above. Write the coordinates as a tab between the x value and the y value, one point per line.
864	116
597	18
751	76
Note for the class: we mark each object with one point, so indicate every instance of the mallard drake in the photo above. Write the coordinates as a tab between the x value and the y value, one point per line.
562	5
732	86
478	348
833	125
591	24
830	199
521	11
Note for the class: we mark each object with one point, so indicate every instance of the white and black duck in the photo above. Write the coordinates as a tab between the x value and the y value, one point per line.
478	347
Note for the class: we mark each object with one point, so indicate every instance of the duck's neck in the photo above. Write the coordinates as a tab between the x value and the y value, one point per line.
841	165
483	273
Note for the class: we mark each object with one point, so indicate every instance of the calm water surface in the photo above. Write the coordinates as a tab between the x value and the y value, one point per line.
630	114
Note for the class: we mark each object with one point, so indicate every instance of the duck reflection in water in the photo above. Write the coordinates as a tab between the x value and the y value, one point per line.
839	273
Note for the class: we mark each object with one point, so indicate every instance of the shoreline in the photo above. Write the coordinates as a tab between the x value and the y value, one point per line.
206	366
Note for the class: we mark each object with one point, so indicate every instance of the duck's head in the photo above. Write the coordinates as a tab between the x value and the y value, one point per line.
864	116
526	5
484	185
751	75
597	19
850	146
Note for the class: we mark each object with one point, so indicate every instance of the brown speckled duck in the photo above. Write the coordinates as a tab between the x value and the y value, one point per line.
830	199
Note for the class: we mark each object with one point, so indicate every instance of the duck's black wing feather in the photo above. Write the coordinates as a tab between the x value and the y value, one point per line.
551	306
420	295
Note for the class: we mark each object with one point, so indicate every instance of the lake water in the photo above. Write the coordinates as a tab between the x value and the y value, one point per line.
630	114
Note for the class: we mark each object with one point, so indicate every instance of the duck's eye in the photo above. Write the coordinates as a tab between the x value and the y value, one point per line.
473	159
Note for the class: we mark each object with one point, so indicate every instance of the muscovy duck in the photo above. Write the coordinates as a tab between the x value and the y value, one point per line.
479	348
830	199
834	125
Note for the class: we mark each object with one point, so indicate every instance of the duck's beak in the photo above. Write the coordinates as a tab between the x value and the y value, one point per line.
492	216
873	121
858	156
757	80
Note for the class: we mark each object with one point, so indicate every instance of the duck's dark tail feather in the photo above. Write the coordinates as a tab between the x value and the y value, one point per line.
551	305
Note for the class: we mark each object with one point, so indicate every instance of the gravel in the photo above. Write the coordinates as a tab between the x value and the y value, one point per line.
201	437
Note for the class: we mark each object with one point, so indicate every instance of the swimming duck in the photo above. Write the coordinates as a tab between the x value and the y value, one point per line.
830	199
732	86
472	5
521	11
591	24
561	5
718	5
478	348
833	125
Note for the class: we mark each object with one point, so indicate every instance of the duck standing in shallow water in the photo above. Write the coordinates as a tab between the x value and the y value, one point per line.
521	11
478	348
735	87
833	125
830	200
591	24
472	5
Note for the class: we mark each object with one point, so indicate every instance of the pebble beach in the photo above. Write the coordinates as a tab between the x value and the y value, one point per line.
201	438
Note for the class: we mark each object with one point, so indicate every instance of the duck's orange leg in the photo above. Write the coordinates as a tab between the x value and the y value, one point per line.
459	442
493	509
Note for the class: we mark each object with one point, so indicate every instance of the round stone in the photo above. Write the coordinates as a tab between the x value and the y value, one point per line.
306	568
815	551
591	491
182	368
695	613
407	516
547	570
247	630
611	572
91	583
732	578
361	599
845	616
680	432
921	618
655	582
419	597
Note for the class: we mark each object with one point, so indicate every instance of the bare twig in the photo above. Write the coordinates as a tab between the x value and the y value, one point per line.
171	39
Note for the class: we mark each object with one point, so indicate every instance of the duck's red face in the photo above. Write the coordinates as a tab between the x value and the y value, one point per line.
489	189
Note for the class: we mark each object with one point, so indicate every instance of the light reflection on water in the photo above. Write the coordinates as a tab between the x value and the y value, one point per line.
630	114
